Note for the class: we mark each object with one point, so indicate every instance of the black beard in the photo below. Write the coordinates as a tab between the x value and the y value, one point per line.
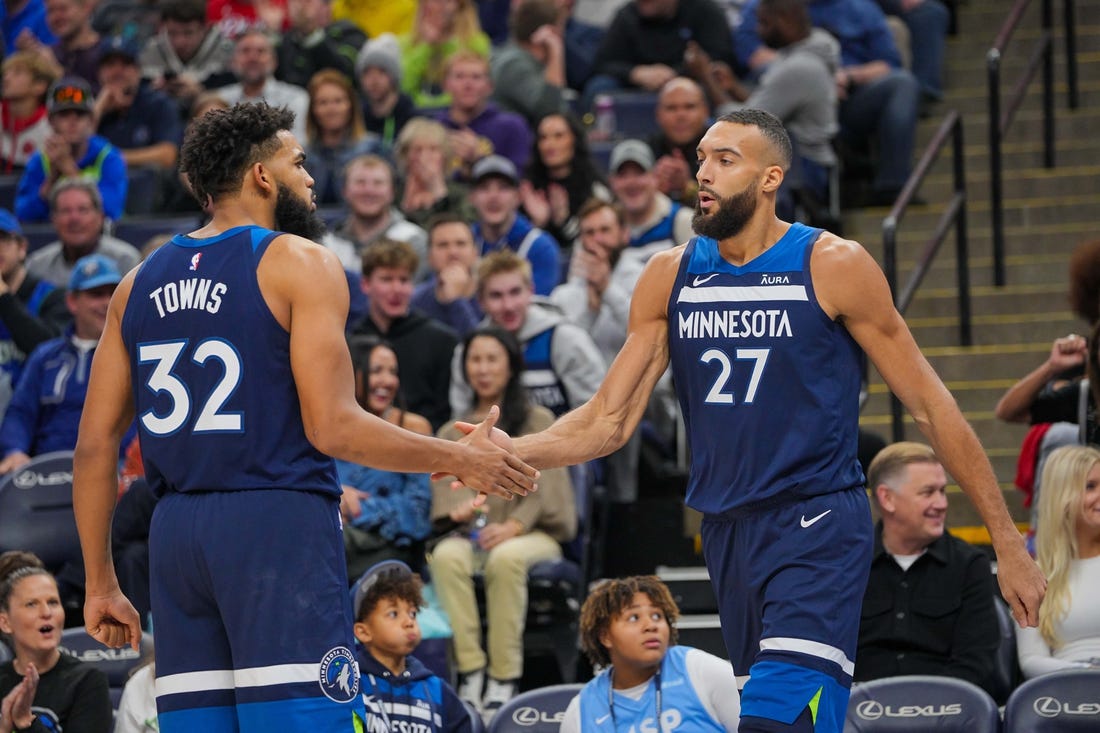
731	217
294	216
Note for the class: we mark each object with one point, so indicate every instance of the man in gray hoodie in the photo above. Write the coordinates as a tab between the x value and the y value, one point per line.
798	87
563	367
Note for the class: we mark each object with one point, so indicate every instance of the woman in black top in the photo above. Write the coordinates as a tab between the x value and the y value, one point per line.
66	694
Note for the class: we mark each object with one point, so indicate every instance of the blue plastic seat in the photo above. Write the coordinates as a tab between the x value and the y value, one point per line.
921	703
535	711
1060	702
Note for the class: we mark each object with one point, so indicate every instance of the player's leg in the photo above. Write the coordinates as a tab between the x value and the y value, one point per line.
194	667
804	571
282	587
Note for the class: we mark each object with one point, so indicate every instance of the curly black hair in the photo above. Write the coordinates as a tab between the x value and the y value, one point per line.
391	583
222	144
610	599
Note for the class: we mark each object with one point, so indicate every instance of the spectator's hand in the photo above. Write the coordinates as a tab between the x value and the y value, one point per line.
550	39
493	467
350	508
59	152
535	203
466	144
1067	352
761	57
183	86
111	620
15	460
697	62
453	282
493	534
271	14
651	77
558	198
1022	583
464	512
15	709
843	83
673	174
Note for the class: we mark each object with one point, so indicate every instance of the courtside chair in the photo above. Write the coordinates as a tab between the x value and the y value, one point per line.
921	703
535	711
1067	701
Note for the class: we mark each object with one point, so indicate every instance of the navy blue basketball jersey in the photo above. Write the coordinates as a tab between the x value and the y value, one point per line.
768	384
216	404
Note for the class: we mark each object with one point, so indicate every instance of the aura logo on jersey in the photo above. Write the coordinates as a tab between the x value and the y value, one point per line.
339	676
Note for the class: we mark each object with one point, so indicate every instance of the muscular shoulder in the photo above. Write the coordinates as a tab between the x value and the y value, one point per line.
301	260
655	283
839	267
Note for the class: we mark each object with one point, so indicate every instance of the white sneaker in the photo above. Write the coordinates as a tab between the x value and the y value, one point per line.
497	693
469	687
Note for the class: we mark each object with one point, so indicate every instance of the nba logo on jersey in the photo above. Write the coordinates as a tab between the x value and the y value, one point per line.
195	261
339	675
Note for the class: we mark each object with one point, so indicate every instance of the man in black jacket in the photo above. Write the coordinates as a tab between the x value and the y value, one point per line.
423	345
928	608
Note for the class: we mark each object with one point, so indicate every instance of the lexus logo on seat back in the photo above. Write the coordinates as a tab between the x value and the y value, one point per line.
1052	707
869	710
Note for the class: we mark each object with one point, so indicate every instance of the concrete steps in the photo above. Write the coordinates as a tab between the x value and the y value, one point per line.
1048	213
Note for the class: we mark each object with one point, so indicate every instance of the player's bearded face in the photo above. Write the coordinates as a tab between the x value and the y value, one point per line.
295	215
727	216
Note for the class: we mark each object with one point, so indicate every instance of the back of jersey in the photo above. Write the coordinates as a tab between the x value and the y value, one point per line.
215	399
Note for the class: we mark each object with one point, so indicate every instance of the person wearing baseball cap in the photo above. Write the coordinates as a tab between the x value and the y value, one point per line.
656	222
386	600
31	310
73	150
499	225
143	123
49	397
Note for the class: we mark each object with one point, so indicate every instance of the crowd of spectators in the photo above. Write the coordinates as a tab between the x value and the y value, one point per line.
492	241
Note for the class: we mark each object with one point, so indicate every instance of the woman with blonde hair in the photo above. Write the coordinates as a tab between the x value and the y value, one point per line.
335	132
1068	553
442	27
424	161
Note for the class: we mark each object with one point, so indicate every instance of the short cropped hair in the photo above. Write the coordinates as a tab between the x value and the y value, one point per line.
223	144
392	583
529	15
499	262
608	600
594	204
79	183
770	127
183	11
888	465
389	253
442	218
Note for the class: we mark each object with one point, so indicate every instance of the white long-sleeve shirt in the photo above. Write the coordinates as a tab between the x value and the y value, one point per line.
1079	630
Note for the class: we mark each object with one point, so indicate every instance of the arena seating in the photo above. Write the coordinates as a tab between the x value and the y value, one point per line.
535	711
36	510
117	664
1060	702
920	703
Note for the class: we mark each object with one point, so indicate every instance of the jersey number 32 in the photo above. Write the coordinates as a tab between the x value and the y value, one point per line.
210	419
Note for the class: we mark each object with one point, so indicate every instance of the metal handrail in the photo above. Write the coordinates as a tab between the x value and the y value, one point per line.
1000	121
950	129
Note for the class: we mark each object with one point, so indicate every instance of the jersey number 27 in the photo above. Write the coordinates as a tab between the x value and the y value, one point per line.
718	394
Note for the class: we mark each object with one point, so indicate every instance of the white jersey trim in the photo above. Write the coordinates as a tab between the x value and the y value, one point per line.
811	648
748	294
228	679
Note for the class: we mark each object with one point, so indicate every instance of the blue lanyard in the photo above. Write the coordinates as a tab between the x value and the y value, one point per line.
611	696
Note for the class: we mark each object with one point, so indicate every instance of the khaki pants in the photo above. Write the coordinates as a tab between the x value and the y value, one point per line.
453	567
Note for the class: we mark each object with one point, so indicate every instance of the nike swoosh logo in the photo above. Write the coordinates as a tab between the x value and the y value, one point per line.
699	281
599	721
810	522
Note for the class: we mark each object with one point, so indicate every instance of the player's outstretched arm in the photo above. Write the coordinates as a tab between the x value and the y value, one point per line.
606	421
852	289
108	411
305	286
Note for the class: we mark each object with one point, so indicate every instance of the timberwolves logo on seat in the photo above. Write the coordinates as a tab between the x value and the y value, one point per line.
339	675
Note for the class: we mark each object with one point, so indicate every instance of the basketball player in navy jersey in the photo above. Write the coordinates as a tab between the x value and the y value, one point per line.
763	322
228	346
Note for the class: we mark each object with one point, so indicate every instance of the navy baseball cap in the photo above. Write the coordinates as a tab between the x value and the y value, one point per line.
9	224
119	47
368	579
92	271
